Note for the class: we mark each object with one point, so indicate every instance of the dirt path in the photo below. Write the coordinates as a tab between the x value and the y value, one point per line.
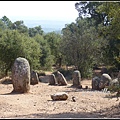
38	103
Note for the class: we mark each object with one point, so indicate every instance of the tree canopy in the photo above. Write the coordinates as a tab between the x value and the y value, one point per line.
94	38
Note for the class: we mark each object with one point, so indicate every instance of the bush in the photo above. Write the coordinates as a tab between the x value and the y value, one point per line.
115	89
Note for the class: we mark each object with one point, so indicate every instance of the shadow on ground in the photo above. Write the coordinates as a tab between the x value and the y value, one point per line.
112	112
60	115
6	81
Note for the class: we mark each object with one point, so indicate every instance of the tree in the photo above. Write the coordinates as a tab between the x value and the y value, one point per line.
14	44
53	39
89	9
46	58
2	25
6	21
81	45
111	31
106	16
19	25
36	30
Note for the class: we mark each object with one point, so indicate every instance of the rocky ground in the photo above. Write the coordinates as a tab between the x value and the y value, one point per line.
38	103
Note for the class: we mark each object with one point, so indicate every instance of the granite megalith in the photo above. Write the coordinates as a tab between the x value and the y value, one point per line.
21	75
76	78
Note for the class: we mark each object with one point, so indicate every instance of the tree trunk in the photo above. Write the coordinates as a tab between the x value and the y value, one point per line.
60	62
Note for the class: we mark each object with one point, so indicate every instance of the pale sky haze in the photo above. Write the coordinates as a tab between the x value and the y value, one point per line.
44	10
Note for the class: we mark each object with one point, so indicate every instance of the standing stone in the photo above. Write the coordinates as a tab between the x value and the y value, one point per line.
95	83
34	78
105	81
61	79
21	75
52	79
76	78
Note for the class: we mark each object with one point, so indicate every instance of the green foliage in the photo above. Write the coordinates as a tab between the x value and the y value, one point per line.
32	52
2	69
114	89
117	62
2	25
46	59
106	16
89	9
81	45
6	21
53	39
110	31
19	25
13	45
36	30
93	39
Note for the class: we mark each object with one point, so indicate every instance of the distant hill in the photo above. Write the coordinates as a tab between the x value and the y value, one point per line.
47	25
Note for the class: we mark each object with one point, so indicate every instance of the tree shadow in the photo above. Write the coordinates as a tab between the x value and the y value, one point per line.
78	89
111	96
6	81
15	93
64	115
111	112
56	100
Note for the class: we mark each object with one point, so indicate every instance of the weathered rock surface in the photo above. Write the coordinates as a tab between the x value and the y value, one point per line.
95	83
61	80
60	96
21	75
105	81
76	78
34	78
52	79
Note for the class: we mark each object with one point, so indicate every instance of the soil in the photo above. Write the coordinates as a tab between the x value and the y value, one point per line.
38	103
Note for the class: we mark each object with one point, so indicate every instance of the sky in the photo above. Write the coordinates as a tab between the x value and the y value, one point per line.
39	10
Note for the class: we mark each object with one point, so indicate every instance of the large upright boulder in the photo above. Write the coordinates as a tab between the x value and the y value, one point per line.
52	79
21	75
95	83
61	80
76	78
105	81
34	78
